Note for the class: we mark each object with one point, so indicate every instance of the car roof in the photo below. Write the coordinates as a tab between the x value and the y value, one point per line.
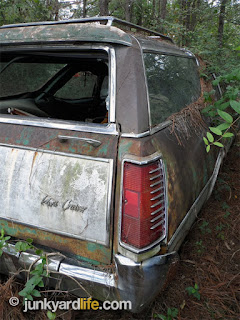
87	30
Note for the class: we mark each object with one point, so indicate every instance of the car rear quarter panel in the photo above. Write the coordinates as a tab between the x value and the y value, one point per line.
188	169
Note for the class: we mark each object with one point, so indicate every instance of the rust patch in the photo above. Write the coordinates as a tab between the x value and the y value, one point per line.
66	245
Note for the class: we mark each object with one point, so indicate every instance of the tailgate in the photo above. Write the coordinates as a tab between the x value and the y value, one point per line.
56	188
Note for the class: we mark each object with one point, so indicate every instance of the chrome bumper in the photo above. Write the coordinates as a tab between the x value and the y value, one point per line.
138	282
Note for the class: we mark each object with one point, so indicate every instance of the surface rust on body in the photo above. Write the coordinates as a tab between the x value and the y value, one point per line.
83	250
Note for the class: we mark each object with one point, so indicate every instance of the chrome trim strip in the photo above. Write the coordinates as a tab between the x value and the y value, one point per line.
156	211
157	225
146	85
90	275
157	217
160	126
156	190
157	204
158	196
155	184
154	170
150	132
157	176
72	155
58	124
112	85
109	201
135	135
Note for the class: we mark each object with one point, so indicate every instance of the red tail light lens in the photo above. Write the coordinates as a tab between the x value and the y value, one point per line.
143	204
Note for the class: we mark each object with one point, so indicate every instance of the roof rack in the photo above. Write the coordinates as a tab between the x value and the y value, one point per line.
109	20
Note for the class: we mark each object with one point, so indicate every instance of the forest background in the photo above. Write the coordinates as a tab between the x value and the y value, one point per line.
209	28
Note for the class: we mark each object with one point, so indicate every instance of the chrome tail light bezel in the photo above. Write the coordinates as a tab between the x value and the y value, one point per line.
144	161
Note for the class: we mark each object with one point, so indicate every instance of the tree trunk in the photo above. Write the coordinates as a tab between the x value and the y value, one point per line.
84	8
195	11
154	10
56	10
128	10
140	13
221	22
103	7
163	9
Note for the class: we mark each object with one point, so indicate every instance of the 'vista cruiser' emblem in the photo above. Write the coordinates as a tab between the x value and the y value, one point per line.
67	205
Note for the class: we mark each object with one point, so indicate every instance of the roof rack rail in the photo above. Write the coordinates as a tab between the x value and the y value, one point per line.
108	19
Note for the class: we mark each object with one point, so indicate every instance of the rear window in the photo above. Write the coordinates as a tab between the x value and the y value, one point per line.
59	85
17	78
173	83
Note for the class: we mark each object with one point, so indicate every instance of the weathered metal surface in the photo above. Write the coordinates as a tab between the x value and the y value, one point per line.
57	193
188	168
62	33
39	149
88	253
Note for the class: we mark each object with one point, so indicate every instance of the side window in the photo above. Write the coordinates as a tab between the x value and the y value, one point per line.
173	83
80	86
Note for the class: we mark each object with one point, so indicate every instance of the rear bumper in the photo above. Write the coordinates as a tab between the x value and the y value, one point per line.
128	280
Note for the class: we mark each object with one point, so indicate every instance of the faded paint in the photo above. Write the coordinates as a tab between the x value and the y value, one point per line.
47	140
64	32
188	168
67	195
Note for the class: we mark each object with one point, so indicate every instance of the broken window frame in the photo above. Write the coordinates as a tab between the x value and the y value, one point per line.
108	128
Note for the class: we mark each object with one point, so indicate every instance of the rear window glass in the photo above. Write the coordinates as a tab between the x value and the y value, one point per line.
58	85
23	77
80	86
173	83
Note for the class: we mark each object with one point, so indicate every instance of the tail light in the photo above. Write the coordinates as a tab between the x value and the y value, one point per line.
143	204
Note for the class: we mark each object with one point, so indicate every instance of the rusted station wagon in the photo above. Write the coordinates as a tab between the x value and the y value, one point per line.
91	165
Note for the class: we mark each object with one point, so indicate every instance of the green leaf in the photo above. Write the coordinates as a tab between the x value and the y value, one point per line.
235	105
29	297
216	81
216	131
218	144
36	293
205	141
41	284
196	286
225	116
228	135
223	126
210	137
223	106
208	148
51	315
207	109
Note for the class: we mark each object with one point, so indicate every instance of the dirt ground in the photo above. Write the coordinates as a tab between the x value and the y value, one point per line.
210	260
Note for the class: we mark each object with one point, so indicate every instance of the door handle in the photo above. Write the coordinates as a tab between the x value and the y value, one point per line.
92	142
